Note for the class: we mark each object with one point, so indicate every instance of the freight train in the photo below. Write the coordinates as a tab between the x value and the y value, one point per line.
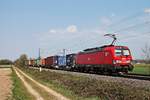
108	58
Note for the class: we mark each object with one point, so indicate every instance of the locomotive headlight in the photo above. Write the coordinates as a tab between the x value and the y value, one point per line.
118	61
114	61
128	61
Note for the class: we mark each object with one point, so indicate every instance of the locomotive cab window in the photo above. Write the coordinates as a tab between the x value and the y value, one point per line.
118	52
126	52
122	52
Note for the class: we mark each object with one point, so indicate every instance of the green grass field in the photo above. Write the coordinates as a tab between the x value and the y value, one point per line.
141	69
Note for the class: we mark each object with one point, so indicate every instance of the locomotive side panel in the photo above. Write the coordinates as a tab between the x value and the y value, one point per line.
108	57
94	58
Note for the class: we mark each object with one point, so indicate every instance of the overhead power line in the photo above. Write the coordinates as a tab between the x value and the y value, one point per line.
133	26
126	19
135	36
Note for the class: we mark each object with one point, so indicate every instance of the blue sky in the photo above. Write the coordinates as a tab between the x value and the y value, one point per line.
26	25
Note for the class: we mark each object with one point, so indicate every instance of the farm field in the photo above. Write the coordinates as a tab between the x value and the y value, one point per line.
84	88
143	69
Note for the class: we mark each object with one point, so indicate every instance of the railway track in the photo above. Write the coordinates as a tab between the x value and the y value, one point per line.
129	75
137	76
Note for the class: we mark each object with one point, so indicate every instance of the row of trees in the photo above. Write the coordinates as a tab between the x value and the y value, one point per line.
21	60
5	62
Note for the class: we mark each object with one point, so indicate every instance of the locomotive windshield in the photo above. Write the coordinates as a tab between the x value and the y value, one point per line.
126	52
122	52
118	52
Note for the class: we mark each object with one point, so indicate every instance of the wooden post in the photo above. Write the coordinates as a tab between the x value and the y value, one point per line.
40	69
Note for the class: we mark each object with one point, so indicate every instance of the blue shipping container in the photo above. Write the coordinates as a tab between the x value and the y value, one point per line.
61	60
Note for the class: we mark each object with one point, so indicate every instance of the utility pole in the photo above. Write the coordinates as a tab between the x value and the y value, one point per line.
39	54
64	52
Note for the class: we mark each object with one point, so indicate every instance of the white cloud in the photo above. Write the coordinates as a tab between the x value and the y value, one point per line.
72	28
52	31
147	10
105	21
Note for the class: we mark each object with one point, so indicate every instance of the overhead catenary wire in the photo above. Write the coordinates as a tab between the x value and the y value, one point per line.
138	14
131	27
135	36
127	28
125	19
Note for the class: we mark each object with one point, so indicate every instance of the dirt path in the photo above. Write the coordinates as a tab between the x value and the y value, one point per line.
50	91
29	87
5	83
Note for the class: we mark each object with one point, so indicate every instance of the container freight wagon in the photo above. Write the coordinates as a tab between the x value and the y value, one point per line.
70	62
43	62
106	58
34	63
29	62
38	62
61	60
51	62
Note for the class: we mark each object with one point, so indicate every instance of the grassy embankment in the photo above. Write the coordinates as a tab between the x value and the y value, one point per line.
141	69
19	92
83	88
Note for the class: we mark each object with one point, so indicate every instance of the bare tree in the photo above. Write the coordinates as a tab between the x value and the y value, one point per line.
146	53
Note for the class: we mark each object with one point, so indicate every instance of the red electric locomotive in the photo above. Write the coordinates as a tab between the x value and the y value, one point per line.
109	58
